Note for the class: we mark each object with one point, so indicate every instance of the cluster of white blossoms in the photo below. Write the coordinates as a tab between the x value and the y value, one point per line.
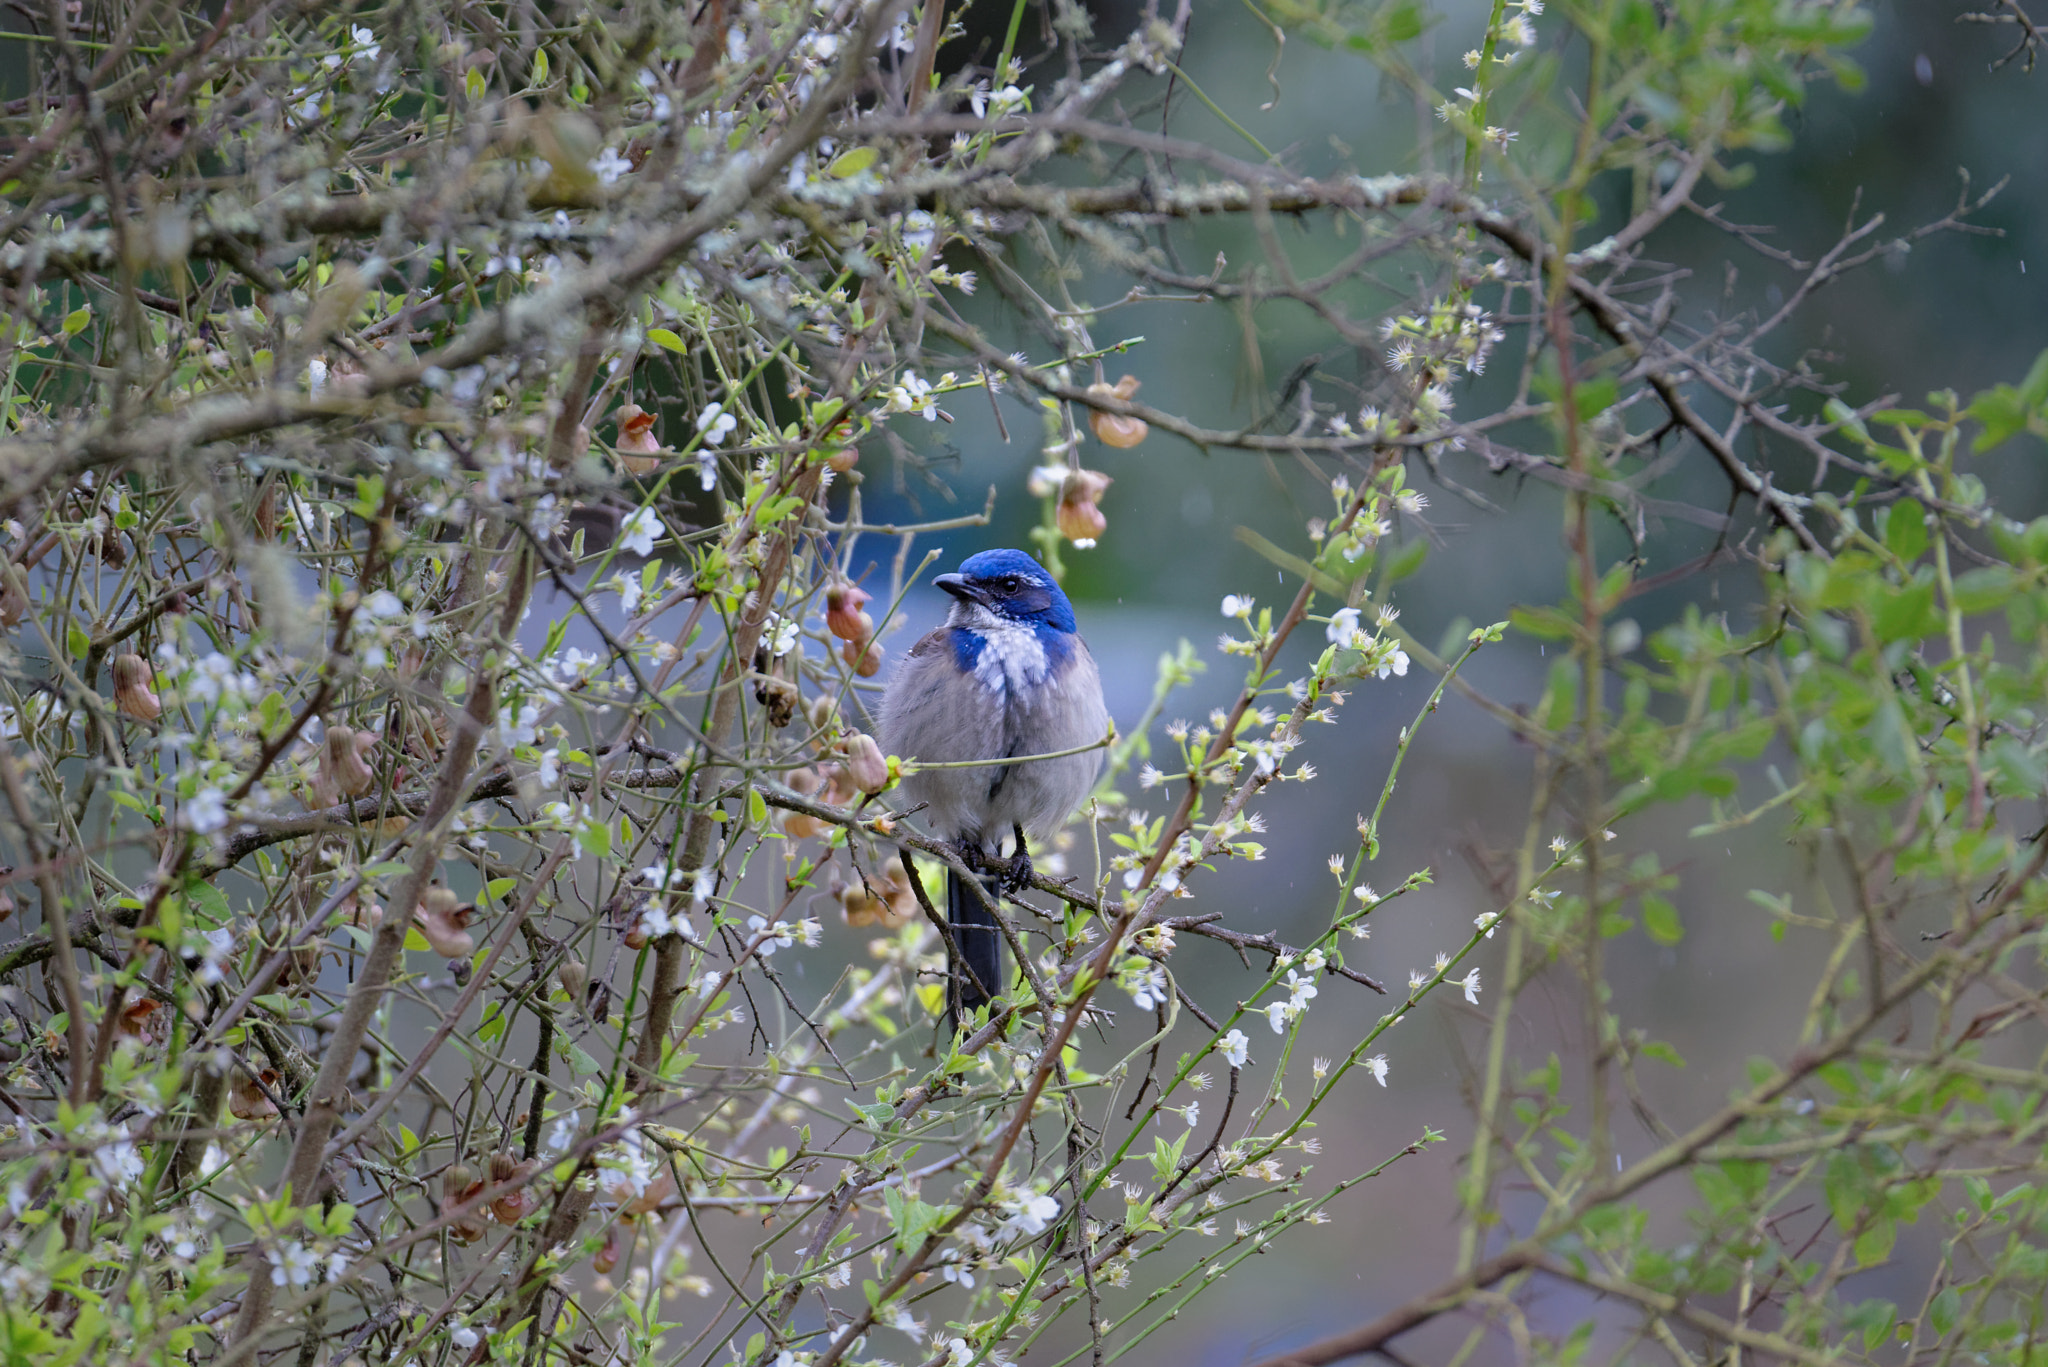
298	1265
630	1158
1516	35
1145	982
1450	334
1301	990
912	393
1384	656
212	679
774	935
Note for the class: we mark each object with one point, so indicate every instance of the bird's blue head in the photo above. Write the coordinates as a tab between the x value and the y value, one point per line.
1011	585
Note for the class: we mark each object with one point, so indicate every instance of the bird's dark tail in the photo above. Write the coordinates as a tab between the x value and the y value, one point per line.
980	943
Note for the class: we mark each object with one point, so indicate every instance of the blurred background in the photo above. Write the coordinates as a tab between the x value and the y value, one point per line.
1956	311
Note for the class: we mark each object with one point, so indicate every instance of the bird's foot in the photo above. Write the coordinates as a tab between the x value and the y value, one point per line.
1017	876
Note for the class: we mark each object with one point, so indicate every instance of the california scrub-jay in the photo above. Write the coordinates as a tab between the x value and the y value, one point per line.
1005	676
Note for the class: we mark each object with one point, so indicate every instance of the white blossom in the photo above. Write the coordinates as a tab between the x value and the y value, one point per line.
207	812
1030	1214
1233	1046
776	936
716	424
641	529
1300	990
1147	986
563	1132
219	947
293	1265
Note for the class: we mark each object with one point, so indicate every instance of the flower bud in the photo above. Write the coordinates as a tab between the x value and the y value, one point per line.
843	615
141	1020
660	1189
249	1098
342	761
442	918
135	688
839	789
639	449
460	1186
866	765
864	657
574	979
509	1208
1080	521
887	903
359	911
615	1240
803	782
1115	429
822	710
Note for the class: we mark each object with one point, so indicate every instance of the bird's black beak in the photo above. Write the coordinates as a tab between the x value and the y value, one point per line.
963	588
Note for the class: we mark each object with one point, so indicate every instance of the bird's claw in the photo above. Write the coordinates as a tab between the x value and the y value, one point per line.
1017	876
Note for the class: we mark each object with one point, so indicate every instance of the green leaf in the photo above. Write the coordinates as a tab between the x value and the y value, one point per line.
540	66
1544	623
1662	1052
207	900
1907	615
1595	396
1401	21
852	162
1660	919
79	643
1894	741
1905	530
1872	1319
2033	391
499	887
1407	560
78	320
1845	1185
1874	1245
666	340
1942	1313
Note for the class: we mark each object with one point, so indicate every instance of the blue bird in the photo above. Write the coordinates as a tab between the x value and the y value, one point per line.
1005	676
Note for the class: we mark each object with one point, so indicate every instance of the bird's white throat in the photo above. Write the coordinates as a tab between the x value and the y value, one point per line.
1012	657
